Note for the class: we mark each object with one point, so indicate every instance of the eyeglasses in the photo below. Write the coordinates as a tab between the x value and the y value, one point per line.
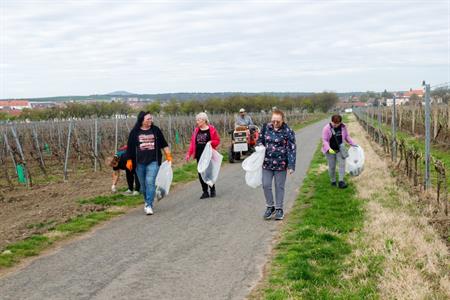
276	121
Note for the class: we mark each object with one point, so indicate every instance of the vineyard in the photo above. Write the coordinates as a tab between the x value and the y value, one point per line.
46	151
410	160
411	119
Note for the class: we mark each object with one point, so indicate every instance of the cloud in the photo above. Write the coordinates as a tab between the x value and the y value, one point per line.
83	47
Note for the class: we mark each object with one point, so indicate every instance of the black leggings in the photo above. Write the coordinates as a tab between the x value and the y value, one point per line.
132	178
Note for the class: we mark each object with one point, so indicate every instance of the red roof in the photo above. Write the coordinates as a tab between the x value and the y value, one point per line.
14	103
412	92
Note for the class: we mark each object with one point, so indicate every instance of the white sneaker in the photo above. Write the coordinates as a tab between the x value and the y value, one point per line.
113	188
135	193
128	192
148	210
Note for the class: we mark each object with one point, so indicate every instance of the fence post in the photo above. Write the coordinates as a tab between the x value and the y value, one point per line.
379	123
67	151
116	134
394	130
427	178
95	143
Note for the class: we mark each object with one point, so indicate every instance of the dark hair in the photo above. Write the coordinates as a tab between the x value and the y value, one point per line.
336	119
278	112
140	119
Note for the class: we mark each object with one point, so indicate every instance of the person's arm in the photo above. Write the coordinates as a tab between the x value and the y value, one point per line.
348	139
250	121
164	145
325	139
261	139
215	138
291	150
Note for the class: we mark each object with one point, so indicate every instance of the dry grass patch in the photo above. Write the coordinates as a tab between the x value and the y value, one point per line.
416	259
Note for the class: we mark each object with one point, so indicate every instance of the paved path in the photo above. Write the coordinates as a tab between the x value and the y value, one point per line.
190	249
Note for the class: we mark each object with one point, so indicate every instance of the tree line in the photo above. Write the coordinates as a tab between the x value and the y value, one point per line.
322	102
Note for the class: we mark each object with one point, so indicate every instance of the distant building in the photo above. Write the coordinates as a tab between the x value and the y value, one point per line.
14	104
42	104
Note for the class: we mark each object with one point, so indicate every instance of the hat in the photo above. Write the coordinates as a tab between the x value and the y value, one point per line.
242	110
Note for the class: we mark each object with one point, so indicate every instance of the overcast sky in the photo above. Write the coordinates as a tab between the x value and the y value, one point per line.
53	48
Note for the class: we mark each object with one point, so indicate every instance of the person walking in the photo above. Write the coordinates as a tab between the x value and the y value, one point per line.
279	160
145	143
203	133
333	135
118	162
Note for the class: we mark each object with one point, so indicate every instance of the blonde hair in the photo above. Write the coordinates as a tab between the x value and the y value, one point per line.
203	116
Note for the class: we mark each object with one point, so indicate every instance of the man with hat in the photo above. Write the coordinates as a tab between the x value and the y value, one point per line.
243	119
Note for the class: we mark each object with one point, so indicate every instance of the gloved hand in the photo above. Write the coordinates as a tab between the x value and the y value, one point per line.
129	165
331	151
168	155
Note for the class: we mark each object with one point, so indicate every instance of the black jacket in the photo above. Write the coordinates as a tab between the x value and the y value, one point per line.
160	143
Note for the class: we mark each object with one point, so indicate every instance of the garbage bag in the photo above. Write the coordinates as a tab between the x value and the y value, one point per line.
354	164
209	165
252	166
163	180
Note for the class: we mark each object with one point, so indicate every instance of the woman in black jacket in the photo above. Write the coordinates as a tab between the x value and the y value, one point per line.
145	143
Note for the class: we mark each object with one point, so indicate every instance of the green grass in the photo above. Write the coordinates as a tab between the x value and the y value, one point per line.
314	251
185	173
114	200
84	223
29	247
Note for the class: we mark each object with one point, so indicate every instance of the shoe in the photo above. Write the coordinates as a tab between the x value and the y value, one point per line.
128	193
212	194
342	185
333	183
204	195
279	215
135	193
148	210
269	212
113	188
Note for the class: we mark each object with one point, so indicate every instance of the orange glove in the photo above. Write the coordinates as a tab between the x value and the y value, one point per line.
129	165
168	155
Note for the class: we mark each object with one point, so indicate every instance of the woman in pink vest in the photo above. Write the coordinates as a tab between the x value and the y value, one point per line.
203	133
333	135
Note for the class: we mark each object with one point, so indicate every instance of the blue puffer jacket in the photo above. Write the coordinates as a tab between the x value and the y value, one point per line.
280	147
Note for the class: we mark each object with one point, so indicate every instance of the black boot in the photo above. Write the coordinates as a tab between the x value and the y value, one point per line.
204	195
342	185
212	193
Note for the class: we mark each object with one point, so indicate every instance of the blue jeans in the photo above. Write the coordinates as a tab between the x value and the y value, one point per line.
147	176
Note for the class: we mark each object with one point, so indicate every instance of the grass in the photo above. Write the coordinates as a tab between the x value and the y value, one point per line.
315	251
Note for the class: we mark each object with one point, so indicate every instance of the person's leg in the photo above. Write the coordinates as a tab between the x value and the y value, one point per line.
130	179
331	158
115	179
212	192
267	176
150	187
341	162
204	186
280	181
136	181
140	172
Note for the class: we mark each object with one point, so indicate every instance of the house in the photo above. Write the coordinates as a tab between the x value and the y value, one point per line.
14	104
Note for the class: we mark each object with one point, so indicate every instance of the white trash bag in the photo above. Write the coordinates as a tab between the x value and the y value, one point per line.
209	165
252	166
163	180
354	164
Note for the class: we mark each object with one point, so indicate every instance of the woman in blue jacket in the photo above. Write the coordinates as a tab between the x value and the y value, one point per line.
279	159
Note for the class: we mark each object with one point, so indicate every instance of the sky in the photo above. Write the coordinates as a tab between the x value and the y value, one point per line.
84	47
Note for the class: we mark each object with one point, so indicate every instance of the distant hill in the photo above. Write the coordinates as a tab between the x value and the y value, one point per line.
176	96
120	93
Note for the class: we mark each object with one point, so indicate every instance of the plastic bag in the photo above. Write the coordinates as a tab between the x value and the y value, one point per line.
252	166
354	164
163	180
209	165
